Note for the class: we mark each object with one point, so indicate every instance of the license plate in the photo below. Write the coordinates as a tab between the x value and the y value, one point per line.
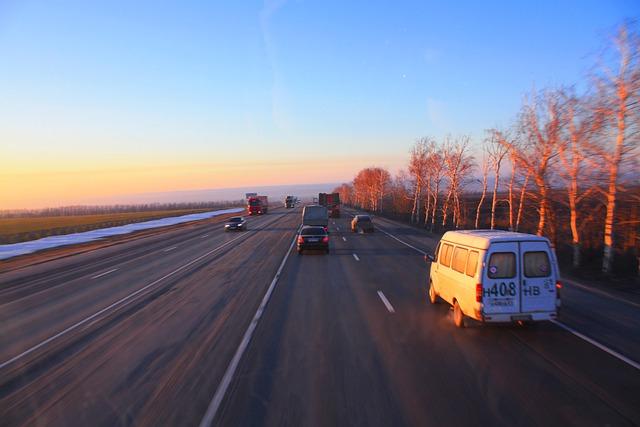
314	240
521	317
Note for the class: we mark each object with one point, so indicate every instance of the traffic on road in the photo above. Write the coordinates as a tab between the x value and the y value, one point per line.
229	329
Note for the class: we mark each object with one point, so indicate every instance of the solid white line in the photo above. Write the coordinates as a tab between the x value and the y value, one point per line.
403	242
204	235
170	249
386	302
344	239
599	292
233	365
118	304
356	257
602	347
105	273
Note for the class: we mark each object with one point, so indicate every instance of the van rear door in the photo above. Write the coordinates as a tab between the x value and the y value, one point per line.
500	279
538	277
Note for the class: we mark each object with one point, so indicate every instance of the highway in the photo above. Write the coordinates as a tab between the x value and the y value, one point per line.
197	326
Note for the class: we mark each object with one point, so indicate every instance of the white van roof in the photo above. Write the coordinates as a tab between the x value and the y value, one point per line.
481	239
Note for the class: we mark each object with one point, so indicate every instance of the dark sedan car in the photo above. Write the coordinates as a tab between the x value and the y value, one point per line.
235	223
313	237
362	223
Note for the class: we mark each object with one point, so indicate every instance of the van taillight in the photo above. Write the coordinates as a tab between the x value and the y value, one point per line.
479	292
558	287
325	239
300	239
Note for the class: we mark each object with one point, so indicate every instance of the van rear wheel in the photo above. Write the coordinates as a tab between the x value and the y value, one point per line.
458	315
433	297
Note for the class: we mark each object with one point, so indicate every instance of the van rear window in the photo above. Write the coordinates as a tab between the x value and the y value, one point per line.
536	264
502	265
459	259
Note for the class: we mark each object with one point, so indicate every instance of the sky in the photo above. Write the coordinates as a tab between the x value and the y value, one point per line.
104	99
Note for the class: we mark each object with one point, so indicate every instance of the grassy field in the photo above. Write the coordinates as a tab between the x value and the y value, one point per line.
13	230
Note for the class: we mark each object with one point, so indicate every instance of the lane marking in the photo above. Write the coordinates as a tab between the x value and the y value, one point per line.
170	249
344	239
105	273
204	235
602	347
338	228
356	257
402	241
386	302
599	292
210	414
122	302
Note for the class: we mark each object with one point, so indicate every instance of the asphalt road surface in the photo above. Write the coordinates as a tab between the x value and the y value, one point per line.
202	327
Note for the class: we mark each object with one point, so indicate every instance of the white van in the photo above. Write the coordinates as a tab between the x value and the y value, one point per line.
495	276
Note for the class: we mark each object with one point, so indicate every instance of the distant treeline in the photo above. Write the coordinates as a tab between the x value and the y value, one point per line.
110	209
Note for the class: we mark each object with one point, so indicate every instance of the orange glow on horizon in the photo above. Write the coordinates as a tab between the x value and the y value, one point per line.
47	185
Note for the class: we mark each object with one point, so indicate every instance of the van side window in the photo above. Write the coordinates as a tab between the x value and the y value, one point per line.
446	255
435	255
502	265
472	263
459	259
536	264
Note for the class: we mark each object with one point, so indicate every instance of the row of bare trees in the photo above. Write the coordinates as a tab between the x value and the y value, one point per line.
578	151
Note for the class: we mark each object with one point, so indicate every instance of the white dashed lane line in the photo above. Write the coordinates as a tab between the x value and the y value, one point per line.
344	239
356	257
386	302
204	235
170	249
105	273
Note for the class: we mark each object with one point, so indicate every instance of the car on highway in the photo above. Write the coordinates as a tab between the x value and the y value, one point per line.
362	223
313	237
495	276
237	223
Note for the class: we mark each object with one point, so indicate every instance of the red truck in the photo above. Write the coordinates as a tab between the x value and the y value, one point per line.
257	205
332	202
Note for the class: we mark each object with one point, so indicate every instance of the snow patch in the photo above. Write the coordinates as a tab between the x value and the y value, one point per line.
22	248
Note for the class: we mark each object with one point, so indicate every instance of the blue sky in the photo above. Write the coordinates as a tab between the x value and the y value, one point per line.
122	85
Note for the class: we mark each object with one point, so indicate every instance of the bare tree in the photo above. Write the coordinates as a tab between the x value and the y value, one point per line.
485	175
523	192
458	165
540	128
498	146
618	102
436	170
418	169
573	152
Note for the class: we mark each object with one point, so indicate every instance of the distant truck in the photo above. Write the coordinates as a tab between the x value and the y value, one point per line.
332	202
315	215
290	202
257	205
